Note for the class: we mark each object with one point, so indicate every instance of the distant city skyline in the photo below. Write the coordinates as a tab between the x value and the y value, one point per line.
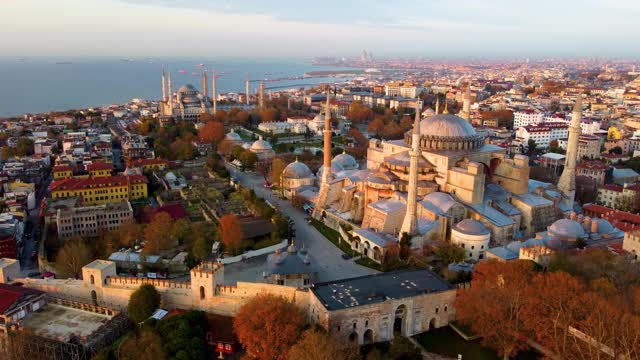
330	28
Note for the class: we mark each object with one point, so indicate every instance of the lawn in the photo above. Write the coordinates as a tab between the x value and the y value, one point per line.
332	235
445	341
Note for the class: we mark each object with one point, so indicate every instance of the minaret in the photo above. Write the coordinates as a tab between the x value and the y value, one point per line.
205	89
164	89
445	110
437	104
410	223
567	182
247	88
170	92
261	95
326	164
214	91
466	104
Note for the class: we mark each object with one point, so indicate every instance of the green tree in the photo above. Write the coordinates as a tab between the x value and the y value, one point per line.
450	253
204	237
145	344
24	147
531	146
248	159
183	336
143	302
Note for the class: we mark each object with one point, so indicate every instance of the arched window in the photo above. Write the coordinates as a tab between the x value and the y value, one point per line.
93	281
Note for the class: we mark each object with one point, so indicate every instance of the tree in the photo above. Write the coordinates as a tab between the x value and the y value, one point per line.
494	304
145	344
230	232
159	234
403	349
616	150
70	259
248	159
7	153
450	253
143	302
183	336
268	326
277	166
376	126
213	132
269	115
316	345
531	146
203	237
24	147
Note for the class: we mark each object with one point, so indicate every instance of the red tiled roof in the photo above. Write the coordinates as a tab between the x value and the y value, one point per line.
99	165
176	211
141	162
62	168
612	187
622	220
97	182
593	165
9	294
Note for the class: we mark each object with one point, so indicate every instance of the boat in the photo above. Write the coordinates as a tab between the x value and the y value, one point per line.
63	63
182	71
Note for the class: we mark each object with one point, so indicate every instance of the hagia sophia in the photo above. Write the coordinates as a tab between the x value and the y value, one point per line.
441	182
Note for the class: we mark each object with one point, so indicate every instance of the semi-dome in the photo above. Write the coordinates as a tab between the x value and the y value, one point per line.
261	145
566	228
297	170
344	161
471	227
442	201
446	132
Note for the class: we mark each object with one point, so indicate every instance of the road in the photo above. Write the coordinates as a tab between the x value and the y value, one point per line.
32	232
324	255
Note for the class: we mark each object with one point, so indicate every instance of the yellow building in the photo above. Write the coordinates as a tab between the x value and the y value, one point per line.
101	190
150	164
99	169
62	171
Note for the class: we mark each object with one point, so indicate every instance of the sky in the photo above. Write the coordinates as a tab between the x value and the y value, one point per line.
288	28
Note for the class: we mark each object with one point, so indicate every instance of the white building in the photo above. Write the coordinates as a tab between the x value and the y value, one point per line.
542	134
91	221
527	117
282	127
588	126
473	237
402	89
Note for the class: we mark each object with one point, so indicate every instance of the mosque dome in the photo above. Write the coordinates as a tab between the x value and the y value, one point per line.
319	119
233	136
566	228
246	146
344	161
188	90
261	145
441	200
471	227
296	170
447	132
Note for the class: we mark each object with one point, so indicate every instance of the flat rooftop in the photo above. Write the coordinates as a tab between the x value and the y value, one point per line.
378	288
60	322
99	264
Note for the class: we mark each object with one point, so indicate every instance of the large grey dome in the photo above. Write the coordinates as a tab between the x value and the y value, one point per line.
187	89
297	170
566	228
471	227
447	125
446	132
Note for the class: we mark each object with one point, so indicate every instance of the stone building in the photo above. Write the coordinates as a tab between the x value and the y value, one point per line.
473	237
290	268
263	149
91	221
364	309
373	308
296	177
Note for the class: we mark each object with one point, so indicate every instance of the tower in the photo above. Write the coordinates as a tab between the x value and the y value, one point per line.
326	164
567	182
164	89
204	83
410	223
214	91
466	104
170	92
437	104
247	88
261	95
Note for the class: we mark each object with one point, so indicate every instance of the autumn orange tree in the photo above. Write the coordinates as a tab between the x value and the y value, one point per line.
268	325
494	305
316	345
277	167
163	233
213	132
230	232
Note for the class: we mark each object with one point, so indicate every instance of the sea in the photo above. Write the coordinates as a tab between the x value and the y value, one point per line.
42	84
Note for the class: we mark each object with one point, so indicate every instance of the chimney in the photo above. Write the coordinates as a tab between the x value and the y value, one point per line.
594	226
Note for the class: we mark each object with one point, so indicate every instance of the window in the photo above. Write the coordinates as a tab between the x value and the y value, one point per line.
437	309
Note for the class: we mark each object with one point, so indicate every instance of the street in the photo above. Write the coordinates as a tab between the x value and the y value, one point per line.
29	263
324	255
